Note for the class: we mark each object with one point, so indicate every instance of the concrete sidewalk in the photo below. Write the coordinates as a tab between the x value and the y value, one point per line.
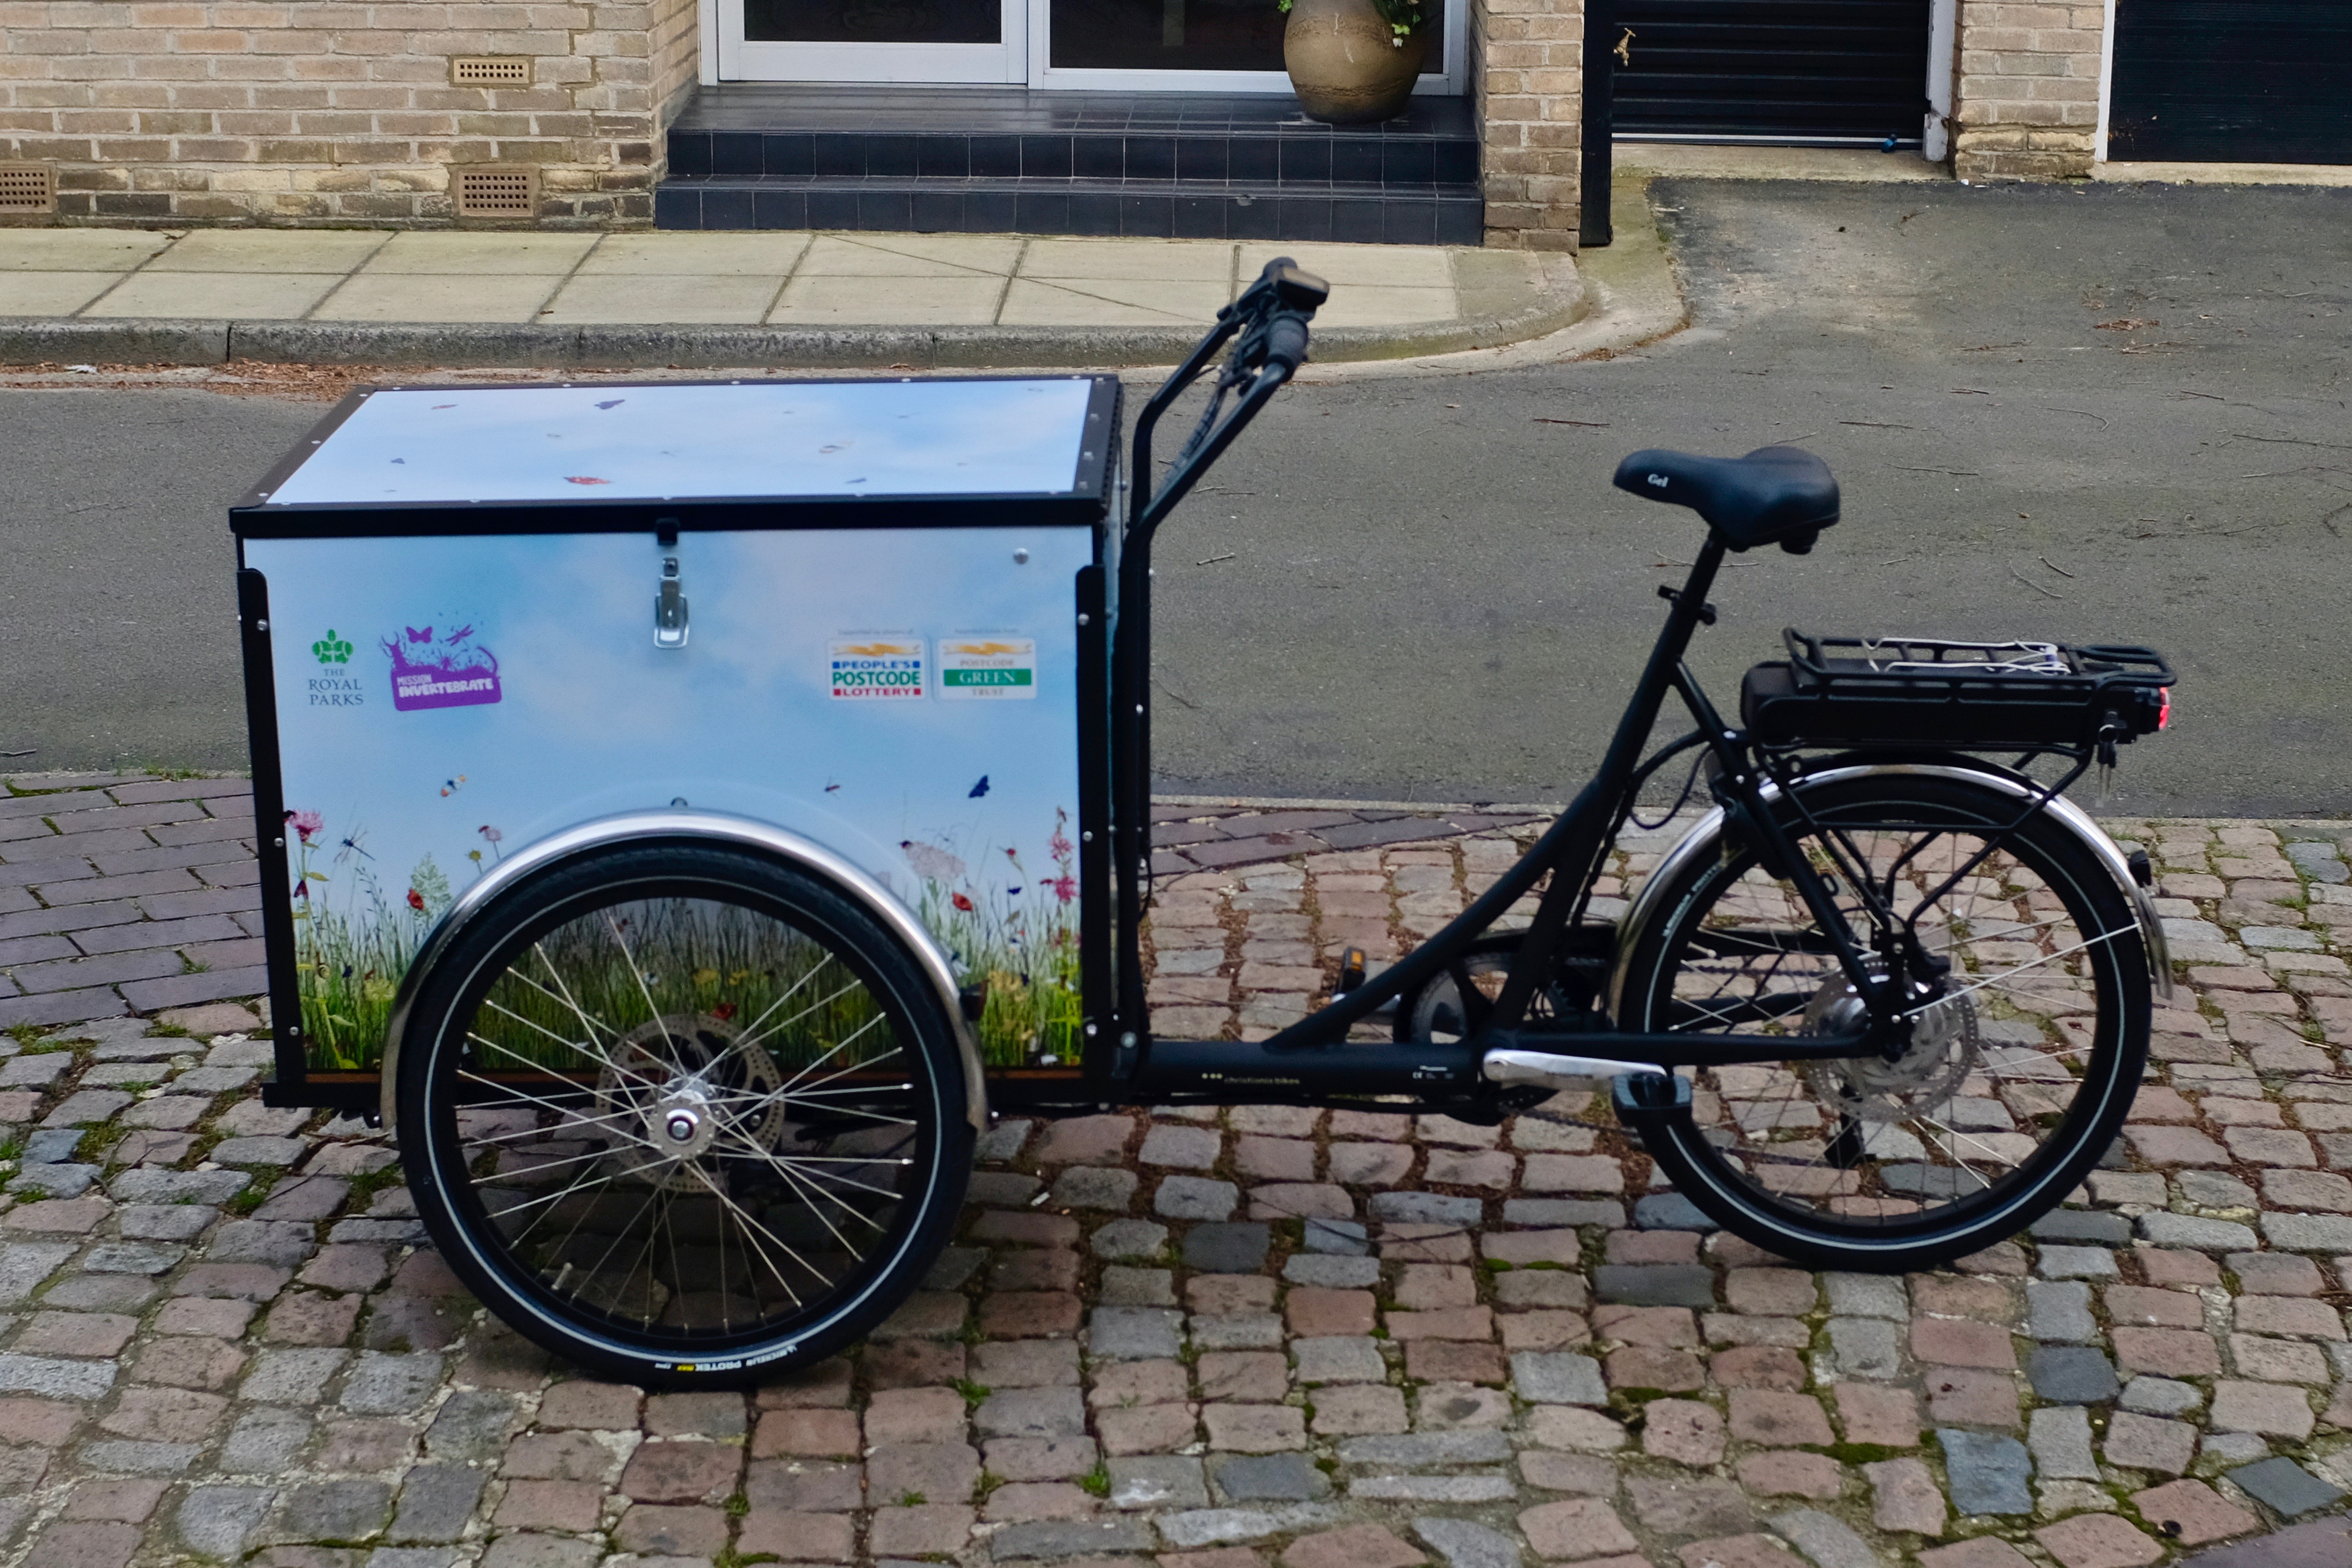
343	296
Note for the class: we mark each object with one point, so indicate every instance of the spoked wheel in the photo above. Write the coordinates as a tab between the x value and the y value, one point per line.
2026	1034
683	1115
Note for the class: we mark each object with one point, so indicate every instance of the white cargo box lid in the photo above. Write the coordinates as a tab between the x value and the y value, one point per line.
583	444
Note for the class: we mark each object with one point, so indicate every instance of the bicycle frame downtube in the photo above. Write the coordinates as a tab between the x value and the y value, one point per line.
1569	849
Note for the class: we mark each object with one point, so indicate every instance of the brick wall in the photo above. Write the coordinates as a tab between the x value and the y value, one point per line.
1526	60
2026	95
319	111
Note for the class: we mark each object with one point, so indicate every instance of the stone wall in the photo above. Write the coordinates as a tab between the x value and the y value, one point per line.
1526	72
293	112
2026	94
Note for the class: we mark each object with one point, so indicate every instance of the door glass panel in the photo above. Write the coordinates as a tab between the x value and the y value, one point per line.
1167	34
1183	35
877	21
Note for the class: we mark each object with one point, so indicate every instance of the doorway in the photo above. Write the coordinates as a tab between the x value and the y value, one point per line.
1088	46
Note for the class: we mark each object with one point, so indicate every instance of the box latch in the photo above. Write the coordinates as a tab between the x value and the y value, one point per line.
670	607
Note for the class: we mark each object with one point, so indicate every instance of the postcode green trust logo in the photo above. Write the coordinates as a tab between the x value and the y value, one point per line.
332	650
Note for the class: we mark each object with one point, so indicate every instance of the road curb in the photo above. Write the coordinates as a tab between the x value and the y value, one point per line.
1504	313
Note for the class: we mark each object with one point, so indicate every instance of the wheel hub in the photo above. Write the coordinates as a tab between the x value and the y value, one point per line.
679	1093
1938	1047
681	1125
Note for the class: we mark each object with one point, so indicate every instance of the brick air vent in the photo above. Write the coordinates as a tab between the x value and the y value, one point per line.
28	188
491	70
498	193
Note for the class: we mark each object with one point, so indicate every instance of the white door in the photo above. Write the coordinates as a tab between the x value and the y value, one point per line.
874	40
1102	46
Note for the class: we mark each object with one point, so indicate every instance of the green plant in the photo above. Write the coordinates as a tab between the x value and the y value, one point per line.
986	1487
1404	17
974	1394
1096	1481
738	1505
912	1499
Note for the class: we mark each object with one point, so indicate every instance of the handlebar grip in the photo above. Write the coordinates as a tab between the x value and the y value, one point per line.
1285	343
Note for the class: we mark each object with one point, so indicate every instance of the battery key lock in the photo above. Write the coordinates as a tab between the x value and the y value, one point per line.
669	600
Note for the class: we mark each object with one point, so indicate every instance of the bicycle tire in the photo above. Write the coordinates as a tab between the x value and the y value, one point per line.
1715	958
568	1099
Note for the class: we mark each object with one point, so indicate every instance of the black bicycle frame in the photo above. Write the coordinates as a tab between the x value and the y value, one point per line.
1312	1061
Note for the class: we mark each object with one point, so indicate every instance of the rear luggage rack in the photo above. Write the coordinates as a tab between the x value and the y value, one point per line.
1927	691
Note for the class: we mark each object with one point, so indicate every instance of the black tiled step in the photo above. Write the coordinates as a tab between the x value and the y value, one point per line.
1261	155
1165	209
999	160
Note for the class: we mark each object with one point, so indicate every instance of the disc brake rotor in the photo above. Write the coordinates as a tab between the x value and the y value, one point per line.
1943	1048
679	1089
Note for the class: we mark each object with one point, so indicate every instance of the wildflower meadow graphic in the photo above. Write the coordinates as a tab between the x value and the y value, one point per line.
354	938
1017	933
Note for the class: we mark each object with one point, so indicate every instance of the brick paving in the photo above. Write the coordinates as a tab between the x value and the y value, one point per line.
1249	1338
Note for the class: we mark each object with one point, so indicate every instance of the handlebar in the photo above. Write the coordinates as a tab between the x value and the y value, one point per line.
1286	343
1267	327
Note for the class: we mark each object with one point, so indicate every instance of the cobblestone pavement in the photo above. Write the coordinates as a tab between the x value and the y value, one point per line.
1200	1338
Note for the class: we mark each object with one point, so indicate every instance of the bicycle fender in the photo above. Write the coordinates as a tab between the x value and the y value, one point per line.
703	827
1707	837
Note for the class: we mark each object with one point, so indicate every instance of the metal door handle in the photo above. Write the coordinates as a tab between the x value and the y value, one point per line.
670	607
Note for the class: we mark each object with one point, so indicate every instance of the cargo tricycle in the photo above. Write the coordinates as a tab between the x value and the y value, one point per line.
689	811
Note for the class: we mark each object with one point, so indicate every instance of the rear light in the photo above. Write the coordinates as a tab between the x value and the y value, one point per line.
2164	709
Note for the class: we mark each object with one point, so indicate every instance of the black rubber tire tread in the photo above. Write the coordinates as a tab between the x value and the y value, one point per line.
2116	1061
892	972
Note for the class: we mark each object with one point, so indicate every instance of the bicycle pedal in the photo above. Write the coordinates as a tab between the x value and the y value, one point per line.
1352	965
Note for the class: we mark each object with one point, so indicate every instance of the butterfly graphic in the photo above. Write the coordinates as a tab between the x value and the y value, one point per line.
931	862
416	635
979	789
451	787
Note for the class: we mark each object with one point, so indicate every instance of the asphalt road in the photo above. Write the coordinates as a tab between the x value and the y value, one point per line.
2101	414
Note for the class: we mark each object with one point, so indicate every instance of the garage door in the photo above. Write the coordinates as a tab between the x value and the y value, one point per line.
2256	82
1772	70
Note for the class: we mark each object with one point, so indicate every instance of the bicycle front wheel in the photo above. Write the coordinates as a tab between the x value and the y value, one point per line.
2018	1065
684	1115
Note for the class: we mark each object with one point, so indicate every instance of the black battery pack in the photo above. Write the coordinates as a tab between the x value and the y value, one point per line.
1925	691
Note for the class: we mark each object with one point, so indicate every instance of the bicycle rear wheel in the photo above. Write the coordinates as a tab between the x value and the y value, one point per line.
684	1115
2019	1066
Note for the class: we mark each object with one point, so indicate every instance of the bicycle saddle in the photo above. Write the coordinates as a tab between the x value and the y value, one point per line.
1774	495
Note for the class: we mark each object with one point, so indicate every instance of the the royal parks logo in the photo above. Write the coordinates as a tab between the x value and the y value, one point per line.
334	686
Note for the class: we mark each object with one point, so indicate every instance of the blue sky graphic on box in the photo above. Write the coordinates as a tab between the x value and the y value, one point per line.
903	696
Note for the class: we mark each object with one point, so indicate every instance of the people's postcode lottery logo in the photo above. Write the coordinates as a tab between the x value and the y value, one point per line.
876	668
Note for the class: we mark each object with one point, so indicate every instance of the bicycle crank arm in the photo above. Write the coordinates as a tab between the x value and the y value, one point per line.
1551	1071
1658	1053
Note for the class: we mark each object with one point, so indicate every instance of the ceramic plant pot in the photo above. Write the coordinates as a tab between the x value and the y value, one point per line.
1345	63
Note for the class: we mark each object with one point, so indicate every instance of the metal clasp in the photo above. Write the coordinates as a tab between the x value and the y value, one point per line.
670	607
